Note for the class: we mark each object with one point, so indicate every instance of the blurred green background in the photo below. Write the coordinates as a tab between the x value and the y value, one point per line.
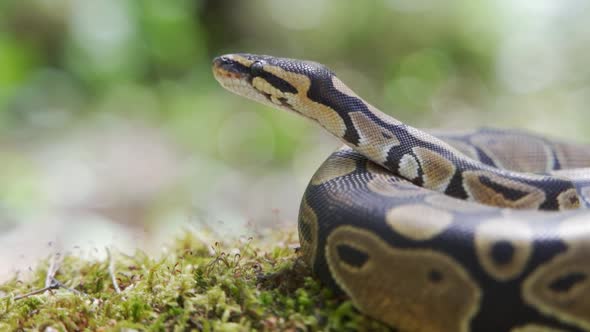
109	114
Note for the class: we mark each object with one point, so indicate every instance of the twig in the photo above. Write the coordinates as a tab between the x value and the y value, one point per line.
112	271
35	292
50	281
59	284
54	266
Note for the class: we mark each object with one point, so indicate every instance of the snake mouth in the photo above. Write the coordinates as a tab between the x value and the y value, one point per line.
229	67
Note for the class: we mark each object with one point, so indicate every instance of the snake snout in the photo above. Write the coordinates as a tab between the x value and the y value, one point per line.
227	66
222	61
219	61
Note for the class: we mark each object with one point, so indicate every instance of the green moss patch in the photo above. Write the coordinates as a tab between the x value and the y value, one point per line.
242	286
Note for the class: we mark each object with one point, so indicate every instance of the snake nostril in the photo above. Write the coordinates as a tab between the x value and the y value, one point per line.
221	61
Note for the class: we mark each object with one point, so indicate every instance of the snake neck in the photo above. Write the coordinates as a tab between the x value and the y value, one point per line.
312	90
430	162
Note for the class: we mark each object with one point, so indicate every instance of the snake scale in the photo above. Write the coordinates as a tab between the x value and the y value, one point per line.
485	230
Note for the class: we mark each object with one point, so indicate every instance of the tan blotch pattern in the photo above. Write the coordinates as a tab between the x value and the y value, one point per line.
262	85
517	235
308	232
568	199
386	187
408	167
515	153
481	193
375	141
334	167
437	170
386	184
561	287
427	292
418	222
324	115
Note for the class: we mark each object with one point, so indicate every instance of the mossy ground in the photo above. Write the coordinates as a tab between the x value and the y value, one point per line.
242	286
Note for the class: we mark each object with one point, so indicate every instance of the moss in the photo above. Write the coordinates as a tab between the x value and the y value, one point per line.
244	286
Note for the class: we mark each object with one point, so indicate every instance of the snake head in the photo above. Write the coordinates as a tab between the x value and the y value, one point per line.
279	82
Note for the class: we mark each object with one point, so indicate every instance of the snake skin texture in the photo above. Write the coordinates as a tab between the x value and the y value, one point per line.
484	230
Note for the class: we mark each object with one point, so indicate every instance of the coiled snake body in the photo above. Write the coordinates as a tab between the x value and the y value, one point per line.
477	231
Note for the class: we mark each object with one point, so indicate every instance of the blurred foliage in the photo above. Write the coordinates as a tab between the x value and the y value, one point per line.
66	65
64	61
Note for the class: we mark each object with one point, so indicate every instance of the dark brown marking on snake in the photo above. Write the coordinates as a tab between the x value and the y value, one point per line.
502	252
276	82
435	276
352	256
566	282
508	193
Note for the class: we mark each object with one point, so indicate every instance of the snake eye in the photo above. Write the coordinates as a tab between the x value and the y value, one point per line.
257	68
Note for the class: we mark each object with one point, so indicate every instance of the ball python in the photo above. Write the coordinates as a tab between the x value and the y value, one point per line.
482	230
